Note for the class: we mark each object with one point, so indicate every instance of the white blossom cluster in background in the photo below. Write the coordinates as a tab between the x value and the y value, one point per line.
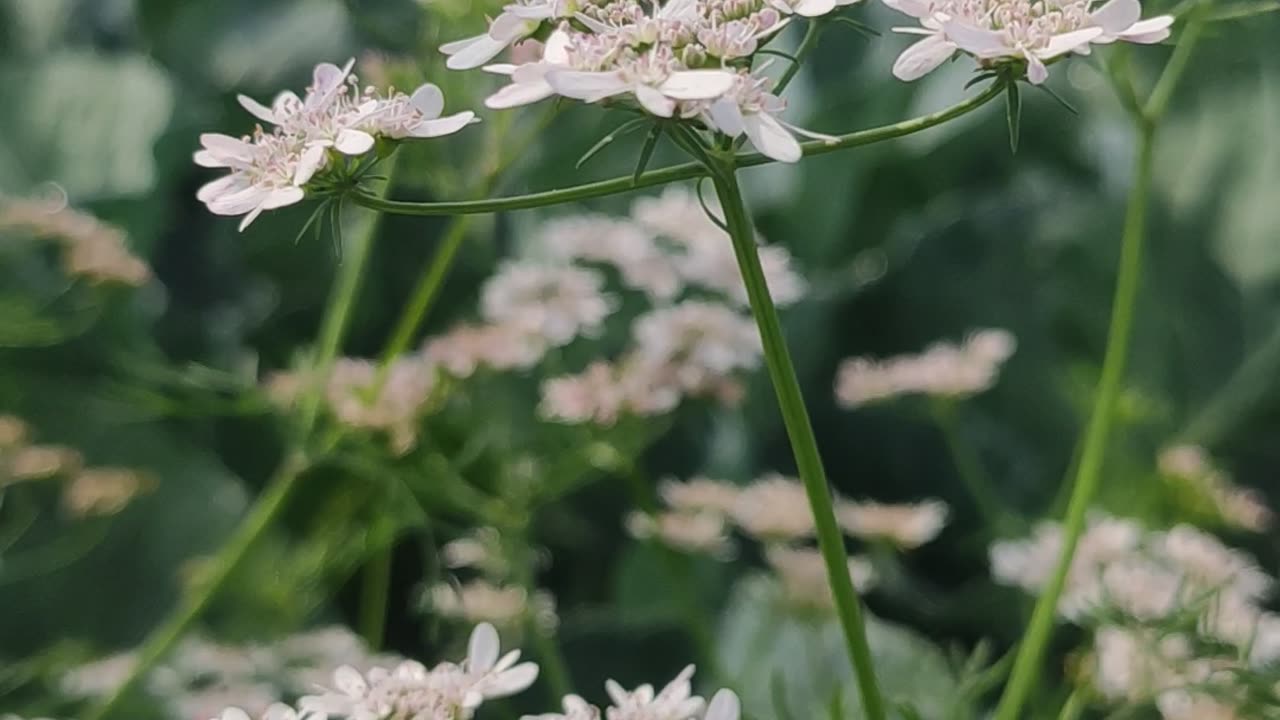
1029	33
687	59
675	701
335	119
201	676
943	370
774	510
1237	507
86	491
693	339
1178	617
91	248
488	594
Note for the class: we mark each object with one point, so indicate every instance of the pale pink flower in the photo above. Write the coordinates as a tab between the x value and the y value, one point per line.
555	303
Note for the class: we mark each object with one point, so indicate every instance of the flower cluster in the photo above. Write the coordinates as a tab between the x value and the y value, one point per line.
480	600
202	676
943	370
693	339
775	510
334	119
1235	506
88	491
1028	33
675	701
688	59
1172	610
91	248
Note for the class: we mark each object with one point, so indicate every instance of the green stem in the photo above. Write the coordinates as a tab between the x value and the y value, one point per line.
426	291
1158	102
671	174
1026	666
1233	402
1074	707
969	467
375	592
804	445
807	44
273	498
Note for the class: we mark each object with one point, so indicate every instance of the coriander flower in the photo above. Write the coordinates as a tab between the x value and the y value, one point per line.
654	79
277	711
803	575
774	508
1033	32
748	107
905	526
676	701
518	21
692	532
556	304
270	170
575	708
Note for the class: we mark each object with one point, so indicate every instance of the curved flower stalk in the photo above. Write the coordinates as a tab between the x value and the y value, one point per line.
689	60
335	119
1026	33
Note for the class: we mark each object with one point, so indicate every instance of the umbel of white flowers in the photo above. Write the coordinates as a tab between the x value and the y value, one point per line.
687	59
1033	32
335	116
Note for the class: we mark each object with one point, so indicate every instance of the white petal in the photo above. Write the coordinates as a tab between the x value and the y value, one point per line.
587	86
257	109
923	58
724	706
282	197
472	52
814	8
509	27
233	713
697	84
248	219
512	681
349	681
771	138
443	126
976	41
1150	31
1037	73
556	50
428	100
517	94
327	80
239	202
500	68
204	158
353	142
310	161
482	649
1066	42
615	691
653	101
1117	15
726	115
225	146
280	711
222	186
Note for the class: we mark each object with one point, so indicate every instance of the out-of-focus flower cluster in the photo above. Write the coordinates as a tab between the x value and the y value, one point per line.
774	510
1211	487
675	701
1177	616
201	676
87	491
943	370
91	248
335	120
687	59
694	339
1026	34
489	595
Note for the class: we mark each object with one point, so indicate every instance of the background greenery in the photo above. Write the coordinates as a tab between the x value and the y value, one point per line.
904	243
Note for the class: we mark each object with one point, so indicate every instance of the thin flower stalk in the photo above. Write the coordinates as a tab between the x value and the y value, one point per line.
804	444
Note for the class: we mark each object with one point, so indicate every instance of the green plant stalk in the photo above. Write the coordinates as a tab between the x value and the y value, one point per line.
273	498
1026	665
672	174
810	40
804	445
375	592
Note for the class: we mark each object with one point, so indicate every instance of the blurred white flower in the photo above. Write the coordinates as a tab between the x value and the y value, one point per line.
554	303
399	402
467	348
699	343
906	526
91	248
699	494
618	243
774	508
275	711
676	701
803	575
479	601
575	708
103	490
943	370
1238	507
689	531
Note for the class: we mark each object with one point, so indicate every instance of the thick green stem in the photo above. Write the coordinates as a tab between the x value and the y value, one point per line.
273	498
1026	666
804	445
671	174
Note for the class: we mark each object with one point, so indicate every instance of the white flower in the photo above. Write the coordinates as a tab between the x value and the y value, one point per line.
270	169
694	532
944	370
810	8
803	575
482	601
653	79
748	107
1031	31
529	80
699	494
466	348
554	303
699	342
907	526
774	508
1212	566
676	701
404	393
622	244
277	711
516	22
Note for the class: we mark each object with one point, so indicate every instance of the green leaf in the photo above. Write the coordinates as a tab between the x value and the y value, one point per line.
603	142
646	152
1013	113
86	122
